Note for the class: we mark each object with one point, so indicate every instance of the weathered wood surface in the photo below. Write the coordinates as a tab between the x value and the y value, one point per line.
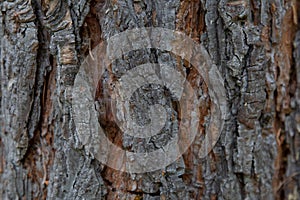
255	45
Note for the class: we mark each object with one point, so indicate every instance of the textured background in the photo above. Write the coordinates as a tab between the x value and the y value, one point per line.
255	45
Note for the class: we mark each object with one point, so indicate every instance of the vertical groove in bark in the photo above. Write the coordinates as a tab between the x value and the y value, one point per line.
191	18
287	106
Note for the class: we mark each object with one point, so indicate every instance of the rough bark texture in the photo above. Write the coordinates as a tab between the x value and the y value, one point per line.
255	45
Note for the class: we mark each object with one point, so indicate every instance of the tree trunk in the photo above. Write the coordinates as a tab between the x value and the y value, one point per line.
255	46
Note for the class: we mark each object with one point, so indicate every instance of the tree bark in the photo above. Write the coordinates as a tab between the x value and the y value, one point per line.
255	46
